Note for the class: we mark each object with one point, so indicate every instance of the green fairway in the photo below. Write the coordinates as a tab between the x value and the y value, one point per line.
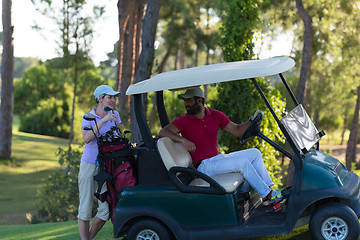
59	231
35	157
68	230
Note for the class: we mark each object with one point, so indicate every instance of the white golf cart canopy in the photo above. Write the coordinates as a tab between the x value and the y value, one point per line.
296	125
216	73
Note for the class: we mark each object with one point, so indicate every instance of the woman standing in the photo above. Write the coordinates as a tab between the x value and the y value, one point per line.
105	97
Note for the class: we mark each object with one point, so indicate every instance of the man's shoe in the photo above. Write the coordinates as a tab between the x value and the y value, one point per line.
275	197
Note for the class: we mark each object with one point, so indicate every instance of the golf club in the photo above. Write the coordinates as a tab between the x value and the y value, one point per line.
108	109
117	132
91	117
126	132
90	128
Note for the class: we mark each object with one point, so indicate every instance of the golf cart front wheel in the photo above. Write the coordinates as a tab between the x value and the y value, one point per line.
148	230
334	221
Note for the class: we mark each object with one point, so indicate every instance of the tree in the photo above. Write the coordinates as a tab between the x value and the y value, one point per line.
146	57
75	27
7	87
354	134
239	99
306	52
131	17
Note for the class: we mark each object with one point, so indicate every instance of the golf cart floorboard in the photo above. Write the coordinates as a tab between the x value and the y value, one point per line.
266	216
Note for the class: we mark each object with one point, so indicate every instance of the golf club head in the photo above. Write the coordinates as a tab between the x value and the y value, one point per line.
126	132
91	129
89	117
108	109
114	128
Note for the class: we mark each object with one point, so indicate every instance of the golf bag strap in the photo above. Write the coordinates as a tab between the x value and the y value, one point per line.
101	178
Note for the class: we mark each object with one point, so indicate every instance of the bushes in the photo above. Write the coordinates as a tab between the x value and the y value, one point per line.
51	117
44	95
59	199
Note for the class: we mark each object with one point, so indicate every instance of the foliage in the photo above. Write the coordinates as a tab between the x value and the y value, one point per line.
39	82
239	99
334	64
240	108
51	118
58	200
47	89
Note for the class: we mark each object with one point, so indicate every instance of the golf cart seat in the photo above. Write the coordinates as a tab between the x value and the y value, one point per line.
175	155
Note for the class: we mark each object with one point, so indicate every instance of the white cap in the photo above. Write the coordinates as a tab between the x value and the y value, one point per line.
105	89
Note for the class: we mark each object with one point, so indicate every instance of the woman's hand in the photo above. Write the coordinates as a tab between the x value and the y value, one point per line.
109	117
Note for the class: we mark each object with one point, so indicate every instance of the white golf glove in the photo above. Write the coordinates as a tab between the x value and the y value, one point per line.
258	112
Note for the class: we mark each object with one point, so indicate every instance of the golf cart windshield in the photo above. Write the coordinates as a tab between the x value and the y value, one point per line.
302	130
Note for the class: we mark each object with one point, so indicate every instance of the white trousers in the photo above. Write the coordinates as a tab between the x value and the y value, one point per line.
249	162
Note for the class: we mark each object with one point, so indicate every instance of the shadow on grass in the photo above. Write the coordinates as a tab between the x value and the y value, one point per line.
28	137
19	195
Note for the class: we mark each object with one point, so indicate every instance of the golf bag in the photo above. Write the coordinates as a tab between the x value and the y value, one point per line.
116	161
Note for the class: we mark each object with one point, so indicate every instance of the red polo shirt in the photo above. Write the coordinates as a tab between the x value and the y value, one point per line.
202	132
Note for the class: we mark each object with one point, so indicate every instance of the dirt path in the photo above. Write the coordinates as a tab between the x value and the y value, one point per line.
339	151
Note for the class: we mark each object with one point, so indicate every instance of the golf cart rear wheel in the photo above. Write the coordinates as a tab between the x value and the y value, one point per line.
334	221
148	230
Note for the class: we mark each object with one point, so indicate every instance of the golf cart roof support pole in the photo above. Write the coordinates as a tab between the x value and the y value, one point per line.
289	89
296	158
140	118
164	119
276	146
283	129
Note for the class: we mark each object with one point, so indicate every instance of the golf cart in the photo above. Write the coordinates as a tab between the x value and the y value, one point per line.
174	201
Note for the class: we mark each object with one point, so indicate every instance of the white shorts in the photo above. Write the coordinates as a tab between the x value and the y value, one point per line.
87	188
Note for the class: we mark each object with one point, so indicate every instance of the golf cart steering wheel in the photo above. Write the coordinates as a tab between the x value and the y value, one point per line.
253	129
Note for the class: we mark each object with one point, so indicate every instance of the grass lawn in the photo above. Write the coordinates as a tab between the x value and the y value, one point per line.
35	157
68	230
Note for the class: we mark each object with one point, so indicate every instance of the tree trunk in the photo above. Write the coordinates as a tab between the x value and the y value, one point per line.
344	129
306	52
130	53
71	134
146	57
127	65
354	135
123	17
305	68
7	86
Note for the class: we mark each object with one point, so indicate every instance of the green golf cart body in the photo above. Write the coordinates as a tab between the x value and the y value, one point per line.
174	201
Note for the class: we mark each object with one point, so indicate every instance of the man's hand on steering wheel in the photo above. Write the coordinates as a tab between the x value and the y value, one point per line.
258	112
254	126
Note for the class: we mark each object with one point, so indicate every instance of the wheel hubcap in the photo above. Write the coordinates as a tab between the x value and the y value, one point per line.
334	228
147	234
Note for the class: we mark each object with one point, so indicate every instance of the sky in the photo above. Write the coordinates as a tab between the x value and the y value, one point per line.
32	43
42	44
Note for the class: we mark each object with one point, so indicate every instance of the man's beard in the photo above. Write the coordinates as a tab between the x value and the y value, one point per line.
193	109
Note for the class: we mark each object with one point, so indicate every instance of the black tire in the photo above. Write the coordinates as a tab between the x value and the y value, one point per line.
334	221
149	230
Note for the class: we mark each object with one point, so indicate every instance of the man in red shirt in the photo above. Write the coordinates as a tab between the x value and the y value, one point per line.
197	130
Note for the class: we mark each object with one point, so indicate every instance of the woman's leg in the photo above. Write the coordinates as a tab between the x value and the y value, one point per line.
86	197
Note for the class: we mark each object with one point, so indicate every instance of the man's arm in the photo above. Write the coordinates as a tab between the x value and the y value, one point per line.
172	132
237	129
